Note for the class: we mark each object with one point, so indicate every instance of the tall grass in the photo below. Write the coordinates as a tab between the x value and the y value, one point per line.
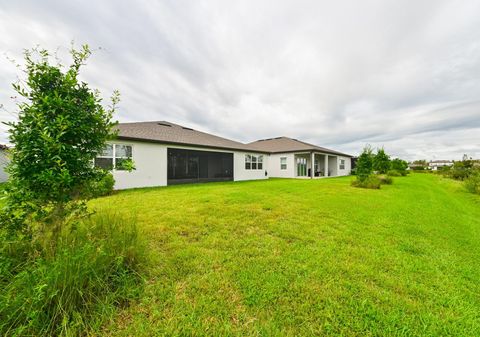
95	269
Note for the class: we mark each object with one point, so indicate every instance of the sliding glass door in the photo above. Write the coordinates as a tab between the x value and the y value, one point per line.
301	166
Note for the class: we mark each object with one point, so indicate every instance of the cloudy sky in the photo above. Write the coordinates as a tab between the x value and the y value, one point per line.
398	74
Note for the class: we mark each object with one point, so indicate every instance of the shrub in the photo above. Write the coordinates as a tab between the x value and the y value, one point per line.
365	164
102	187
395	173
385	179
371	182
72	290
381	161
472	183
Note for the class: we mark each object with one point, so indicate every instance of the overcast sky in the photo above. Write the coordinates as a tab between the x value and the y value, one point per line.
404	75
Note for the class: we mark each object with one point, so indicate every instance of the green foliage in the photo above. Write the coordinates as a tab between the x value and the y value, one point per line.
74	289
381	162
400	166
364	166
126	165
61	127
460	170
102	187
385	179
372	182
394	173
472	183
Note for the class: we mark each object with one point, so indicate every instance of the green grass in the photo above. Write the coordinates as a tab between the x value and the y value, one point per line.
302	257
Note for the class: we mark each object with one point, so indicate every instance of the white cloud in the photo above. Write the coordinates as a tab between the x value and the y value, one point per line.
338	74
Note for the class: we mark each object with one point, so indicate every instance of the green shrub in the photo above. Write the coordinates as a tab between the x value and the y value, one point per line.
102	187
385	179
395	173
94	269
371	182
472	183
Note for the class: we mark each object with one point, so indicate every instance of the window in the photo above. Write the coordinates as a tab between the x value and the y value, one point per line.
113	156
122	153
342	164
253	162
283	163
248	162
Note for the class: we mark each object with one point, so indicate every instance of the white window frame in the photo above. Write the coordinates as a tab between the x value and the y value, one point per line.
114	155
281	164
248	160
342	164
254	162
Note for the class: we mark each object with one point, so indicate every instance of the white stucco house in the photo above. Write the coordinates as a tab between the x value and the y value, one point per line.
3	163
165	153
434	165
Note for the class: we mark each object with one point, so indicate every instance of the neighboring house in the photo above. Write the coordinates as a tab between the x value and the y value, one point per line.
165	153
3	163
434	165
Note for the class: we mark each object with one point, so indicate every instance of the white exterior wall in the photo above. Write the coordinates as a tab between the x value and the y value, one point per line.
274	166
239	171
151	165
348	166
3	163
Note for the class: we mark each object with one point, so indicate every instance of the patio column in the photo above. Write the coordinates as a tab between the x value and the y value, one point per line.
312	165
325	173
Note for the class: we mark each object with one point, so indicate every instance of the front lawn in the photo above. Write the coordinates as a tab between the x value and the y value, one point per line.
303	257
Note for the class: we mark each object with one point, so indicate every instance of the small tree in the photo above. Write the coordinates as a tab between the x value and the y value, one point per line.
61	127
381	162
364	166
399	165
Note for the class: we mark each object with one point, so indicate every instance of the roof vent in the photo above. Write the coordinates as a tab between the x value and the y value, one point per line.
187	128
164	124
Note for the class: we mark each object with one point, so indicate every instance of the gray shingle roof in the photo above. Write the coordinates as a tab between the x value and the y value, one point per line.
170	133
286	144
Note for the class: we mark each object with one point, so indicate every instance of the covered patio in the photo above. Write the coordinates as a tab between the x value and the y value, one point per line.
315	165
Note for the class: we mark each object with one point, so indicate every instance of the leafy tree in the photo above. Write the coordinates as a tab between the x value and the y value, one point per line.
61	127
399	164
381	161
364	166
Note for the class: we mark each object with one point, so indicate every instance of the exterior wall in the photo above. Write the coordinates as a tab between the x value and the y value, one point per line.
239	171
274	166
151	166
290	172
348	166
333	164
3	163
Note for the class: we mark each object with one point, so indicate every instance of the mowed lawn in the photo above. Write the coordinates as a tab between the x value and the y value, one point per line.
305	257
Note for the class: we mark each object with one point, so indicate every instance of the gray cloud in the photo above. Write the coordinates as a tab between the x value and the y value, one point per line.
405	76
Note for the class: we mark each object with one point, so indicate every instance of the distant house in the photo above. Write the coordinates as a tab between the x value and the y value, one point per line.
434	165
165	153
3	163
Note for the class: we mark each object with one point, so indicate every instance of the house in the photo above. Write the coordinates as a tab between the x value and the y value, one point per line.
434	165
3	163
165	153
292	158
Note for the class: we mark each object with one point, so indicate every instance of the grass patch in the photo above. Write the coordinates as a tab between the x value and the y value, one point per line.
306	257
92	272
